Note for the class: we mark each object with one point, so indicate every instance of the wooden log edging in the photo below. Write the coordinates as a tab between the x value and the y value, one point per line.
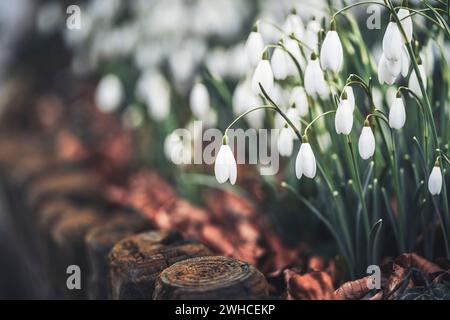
136	261
65	212
211	277
99	242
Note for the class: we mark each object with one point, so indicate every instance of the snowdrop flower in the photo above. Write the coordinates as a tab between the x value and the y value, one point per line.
413	83
427	57
109	93
305	163
294	25
285	142
314	79
280	63
405	62
254	46
243	100
397	114
210	118
158	97
263	75
199	101
293	47
298	97
331	53
384	71
343	120
225	167
392	42
312	34
366	143
406	23
435	180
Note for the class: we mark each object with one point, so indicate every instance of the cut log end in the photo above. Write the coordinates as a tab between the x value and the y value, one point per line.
212	277
136	262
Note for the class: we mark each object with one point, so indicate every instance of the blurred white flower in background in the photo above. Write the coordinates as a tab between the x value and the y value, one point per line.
109	94
154	90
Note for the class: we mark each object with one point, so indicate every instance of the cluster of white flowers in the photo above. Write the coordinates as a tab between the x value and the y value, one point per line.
394	61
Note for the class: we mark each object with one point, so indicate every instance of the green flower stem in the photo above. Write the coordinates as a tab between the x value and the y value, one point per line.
246	113
428	105
305	132
347	252
277	108
357	178
355	5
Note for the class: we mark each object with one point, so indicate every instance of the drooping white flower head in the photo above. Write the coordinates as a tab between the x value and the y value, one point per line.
254	47
285	142
299	98
392	42
263	75
413	83
199	101
305	163
109	93
366	143
397	114
331	53
406	22
427	56
243	100
225	167
280	63
294	25
315	84
435	180
384	71
293	48
312	34
154	90
343	120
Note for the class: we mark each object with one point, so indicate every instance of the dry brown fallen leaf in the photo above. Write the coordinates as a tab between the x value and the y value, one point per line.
408	260
316	285
353	290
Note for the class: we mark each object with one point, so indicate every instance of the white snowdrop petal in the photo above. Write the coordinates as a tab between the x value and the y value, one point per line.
279	63
397	114
254	47
199	101
394	67
109	93
407	23
298	162
392	42
405	62
384	75
413	83
343	120
285	142
263	75
366	143
298	96
231	166
308	161
331	53
435	181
